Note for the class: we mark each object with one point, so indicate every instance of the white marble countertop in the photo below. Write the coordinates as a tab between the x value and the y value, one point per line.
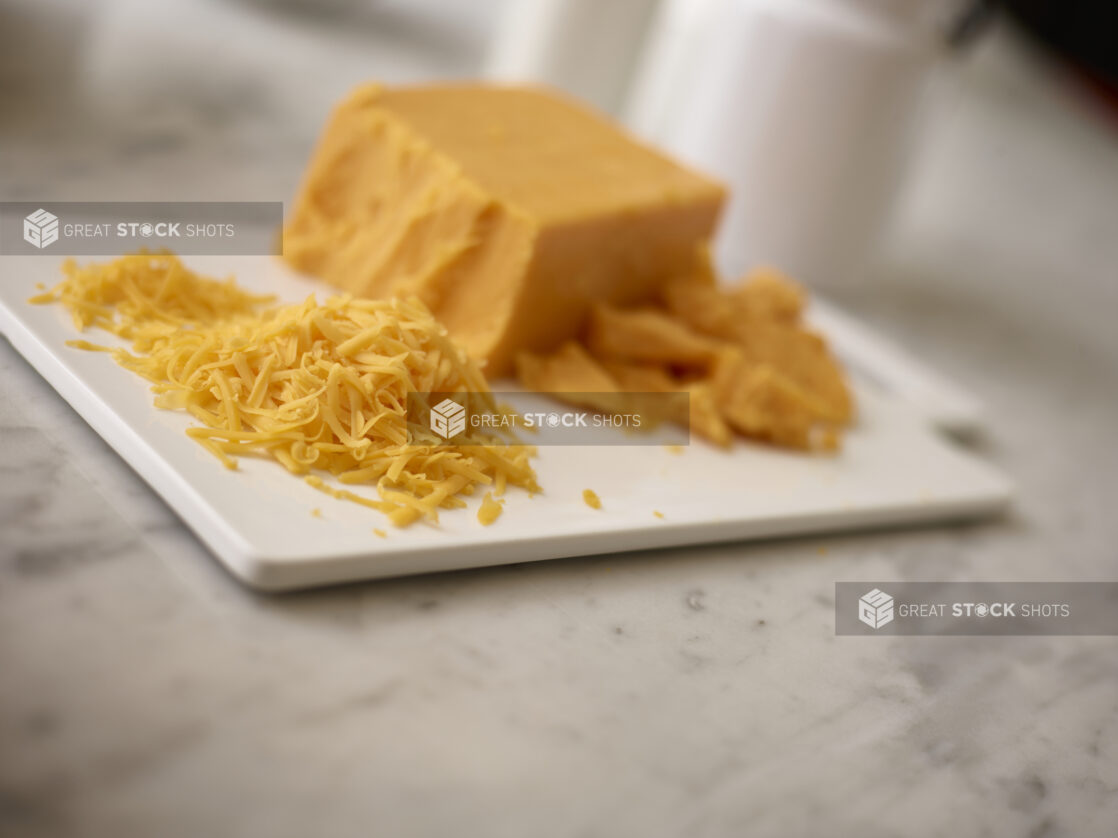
682	692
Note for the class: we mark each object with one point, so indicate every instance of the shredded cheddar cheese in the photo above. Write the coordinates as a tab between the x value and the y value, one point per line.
591	499
319	387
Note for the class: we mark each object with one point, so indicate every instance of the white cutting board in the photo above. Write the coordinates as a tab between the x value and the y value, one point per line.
258	520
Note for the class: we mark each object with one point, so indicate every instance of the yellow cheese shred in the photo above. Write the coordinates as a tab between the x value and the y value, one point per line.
490	510
591	499
319	387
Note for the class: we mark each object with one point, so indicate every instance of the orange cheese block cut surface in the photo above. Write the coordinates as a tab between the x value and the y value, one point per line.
508	211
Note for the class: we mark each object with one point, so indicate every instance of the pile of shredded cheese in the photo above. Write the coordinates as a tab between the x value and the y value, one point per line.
319	387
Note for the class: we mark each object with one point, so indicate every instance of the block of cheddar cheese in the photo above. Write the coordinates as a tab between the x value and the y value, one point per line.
509	211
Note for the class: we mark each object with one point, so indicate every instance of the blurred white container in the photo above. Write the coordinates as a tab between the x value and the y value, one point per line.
805	108
587	47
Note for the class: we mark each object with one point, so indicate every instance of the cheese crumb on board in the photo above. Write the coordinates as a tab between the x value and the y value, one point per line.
658	514
591	499
319	387
490	509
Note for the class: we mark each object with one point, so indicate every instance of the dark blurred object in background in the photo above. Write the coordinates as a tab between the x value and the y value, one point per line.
1084	32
